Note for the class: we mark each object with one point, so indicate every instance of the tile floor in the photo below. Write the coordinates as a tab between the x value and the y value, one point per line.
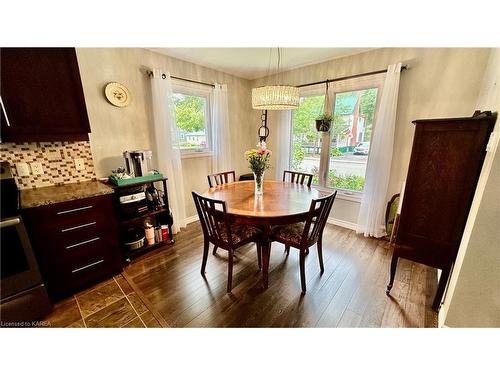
112	303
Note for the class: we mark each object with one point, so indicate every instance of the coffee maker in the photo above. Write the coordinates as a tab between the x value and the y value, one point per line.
138	162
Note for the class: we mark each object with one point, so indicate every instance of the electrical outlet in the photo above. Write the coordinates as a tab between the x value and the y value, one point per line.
36	168
22	169
79	164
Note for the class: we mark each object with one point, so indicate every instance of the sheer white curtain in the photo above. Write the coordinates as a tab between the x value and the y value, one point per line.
220	130
283	146
371	221
167	150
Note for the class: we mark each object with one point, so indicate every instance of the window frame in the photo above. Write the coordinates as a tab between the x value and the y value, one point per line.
195	89
354	84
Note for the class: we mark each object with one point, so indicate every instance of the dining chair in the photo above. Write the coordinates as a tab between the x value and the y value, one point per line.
220	178
305	234
219	231
298	177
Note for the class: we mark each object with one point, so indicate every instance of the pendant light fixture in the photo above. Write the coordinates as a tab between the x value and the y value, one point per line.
277	96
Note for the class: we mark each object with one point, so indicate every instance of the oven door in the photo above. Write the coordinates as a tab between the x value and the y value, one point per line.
19	270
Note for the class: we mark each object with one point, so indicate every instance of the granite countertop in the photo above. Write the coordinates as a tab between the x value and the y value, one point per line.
63	193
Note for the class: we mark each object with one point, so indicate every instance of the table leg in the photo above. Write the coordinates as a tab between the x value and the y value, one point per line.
266	252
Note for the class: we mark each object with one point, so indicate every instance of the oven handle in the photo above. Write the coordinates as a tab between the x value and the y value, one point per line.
10	222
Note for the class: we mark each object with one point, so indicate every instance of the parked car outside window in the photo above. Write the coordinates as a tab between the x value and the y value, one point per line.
362	148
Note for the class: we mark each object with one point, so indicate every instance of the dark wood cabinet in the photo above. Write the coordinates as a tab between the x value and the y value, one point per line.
42	95
76	243
446	160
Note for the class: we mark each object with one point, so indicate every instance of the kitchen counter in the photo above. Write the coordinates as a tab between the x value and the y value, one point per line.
63	193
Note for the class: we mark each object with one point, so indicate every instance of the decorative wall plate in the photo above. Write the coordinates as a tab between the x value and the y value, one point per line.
117	94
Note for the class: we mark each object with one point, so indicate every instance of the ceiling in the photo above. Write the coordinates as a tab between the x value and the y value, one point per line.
252	63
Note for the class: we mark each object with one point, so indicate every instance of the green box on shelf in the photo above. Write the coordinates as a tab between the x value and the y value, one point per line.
134	180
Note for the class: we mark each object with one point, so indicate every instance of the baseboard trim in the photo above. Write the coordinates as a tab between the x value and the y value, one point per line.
191	219
342	223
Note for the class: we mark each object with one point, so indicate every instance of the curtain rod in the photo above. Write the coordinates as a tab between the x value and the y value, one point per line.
150	73
349	77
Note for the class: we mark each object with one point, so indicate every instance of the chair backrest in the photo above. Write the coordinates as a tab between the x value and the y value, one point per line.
316	218
220	178
298	177
213	219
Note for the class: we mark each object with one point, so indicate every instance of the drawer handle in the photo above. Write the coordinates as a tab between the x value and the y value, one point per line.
74	210
78	227
82	243
87	266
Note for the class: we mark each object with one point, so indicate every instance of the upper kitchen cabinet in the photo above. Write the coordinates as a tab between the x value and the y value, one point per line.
42	95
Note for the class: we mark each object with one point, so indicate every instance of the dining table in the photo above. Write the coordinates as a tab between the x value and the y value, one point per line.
281	203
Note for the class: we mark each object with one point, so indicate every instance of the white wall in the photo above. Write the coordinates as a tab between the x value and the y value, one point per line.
115	130
441	82
473	297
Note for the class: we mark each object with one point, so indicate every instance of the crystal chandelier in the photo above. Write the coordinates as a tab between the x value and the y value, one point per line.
275	97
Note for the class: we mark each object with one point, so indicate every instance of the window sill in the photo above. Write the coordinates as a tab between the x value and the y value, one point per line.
344	195
196	154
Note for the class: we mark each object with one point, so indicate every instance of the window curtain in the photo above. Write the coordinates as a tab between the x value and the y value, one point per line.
371	220
283	144
167	151
220	130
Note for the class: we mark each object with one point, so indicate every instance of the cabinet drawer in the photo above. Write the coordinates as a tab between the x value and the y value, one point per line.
71	214
81	231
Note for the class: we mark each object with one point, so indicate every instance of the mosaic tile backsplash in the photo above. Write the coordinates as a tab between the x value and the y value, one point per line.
57	160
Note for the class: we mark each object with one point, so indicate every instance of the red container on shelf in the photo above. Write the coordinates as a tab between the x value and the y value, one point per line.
164	232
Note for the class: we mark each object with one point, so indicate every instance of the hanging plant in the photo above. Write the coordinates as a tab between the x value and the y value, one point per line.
324	121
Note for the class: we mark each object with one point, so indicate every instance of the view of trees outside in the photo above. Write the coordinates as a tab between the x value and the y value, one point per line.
352	124
190	118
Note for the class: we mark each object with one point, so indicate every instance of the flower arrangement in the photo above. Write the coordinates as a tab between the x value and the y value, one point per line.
258	160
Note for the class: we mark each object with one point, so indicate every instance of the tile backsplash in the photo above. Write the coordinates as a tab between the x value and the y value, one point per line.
57	160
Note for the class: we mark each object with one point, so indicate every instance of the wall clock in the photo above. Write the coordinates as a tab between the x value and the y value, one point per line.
117	94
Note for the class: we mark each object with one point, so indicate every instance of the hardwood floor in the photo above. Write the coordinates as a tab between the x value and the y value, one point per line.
350	293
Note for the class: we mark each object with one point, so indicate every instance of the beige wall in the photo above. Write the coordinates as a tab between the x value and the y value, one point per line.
473	298
115	130
441	82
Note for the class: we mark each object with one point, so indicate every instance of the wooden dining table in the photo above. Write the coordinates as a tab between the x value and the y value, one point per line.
281	203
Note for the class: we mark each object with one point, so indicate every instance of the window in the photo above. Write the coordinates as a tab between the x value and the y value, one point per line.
354	107
306	140
192	116
350	135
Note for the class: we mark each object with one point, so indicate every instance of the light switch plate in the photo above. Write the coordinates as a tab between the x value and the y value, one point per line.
36	168
79	164
22	169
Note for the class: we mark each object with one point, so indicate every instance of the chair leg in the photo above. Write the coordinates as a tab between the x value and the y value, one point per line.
307	251
320	255
287	249
205	257
394	264
259	254
215	250
230	271
302	262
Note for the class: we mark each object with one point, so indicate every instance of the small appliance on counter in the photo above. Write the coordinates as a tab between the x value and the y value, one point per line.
23	297
138	162
133	205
